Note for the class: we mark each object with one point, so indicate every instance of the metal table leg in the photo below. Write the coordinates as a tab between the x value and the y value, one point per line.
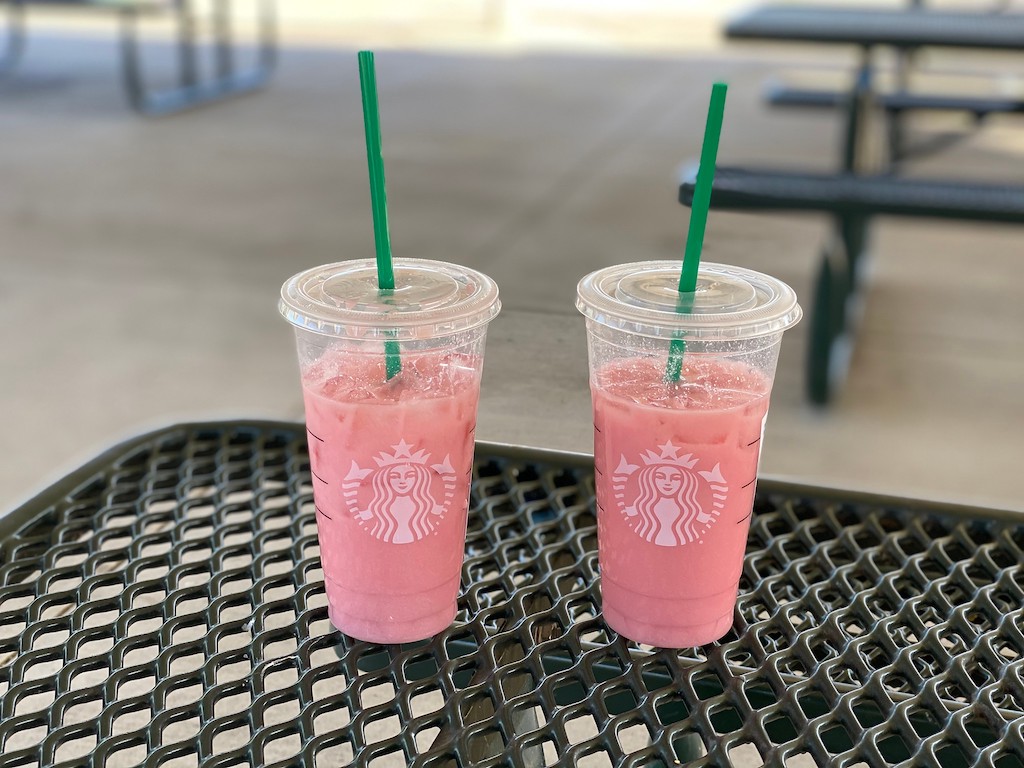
836	304
15	44
829	344
193	91
857	123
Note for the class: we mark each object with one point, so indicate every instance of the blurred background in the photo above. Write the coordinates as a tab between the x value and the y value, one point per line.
534	140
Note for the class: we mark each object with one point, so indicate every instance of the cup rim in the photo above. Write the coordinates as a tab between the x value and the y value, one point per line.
763	305
431	299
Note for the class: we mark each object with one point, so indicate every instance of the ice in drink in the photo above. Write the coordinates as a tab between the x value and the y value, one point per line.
391	455
675	482
676	461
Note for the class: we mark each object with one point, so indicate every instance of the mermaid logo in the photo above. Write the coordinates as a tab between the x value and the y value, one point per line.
671	502
396	501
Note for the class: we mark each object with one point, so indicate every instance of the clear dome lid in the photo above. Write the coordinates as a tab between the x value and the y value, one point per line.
729	303
430	299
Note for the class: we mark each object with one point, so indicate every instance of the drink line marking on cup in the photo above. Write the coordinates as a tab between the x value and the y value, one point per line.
322	512
754	442
598	471
597	428
318	476
315	437
749	484
745	517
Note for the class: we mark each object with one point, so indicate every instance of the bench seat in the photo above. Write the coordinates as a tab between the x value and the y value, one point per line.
742	189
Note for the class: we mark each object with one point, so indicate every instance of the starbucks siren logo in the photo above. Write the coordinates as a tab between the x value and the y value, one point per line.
396	501
667	501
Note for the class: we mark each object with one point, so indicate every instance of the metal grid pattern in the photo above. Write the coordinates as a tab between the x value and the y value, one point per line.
164	606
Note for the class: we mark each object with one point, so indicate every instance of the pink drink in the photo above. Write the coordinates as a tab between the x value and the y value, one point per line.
676	455
391	464
676	469
391	458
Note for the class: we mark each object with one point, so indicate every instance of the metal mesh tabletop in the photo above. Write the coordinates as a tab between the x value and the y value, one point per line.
164	606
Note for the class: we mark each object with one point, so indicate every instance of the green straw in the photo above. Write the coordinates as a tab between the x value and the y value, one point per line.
698	222
378	196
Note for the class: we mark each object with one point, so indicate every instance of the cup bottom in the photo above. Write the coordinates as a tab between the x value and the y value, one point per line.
392	619
687	622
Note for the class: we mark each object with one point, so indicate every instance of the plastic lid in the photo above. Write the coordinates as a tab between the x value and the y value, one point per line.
431	299
729	303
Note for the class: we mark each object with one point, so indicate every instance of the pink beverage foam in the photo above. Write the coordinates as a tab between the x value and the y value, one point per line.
391	463
677	465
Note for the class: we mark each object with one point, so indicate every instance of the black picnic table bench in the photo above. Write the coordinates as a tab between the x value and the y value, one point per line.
883	195
904	29
192	89
863	188
853	200
897	27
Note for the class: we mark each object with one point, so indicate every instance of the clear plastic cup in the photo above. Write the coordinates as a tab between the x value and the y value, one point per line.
676	462
391	459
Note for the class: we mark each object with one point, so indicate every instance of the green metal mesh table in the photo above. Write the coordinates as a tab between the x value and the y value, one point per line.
164	606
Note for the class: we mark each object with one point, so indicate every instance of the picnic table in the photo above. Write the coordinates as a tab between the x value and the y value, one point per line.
906	30
165	602
193	88
864	187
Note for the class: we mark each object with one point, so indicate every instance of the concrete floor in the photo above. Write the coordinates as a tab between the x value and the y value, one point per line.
142	258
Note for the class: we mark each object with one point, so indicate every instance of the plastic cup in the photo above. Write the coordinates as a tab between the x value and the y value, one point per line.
391	459
676	462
